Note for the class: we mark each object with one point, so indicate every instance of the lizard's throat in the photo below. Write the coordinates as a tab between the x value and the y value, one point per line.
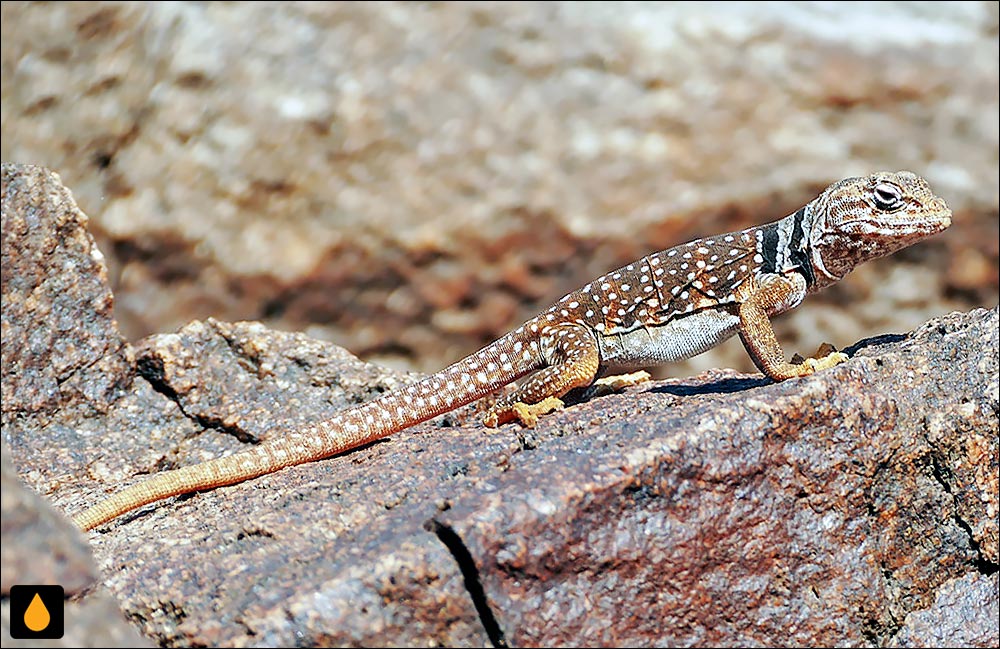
836	256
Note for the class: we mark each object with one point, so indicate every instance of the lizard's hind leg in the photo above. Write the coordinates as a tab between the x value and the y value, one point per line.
573	358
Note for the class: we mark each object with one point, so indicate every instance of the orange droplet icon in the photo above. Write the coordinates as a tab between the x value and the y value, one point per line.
36	617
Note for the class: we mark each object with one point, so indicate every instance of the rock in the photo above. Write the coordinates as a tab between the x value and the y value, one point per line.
720	511
413	180
964	614
61	344
39	546
857	506
64	364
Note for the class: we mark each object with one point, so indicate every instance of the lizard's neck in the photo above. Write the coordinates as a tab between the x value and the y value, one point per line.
805	242
787	245
831	255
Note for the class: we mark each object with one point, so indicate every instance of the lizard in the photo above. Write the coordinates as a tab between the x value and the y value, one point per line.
667	306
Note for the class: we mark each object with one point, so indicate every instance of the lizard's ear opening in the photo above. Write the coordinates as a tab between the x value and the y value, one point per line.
888	197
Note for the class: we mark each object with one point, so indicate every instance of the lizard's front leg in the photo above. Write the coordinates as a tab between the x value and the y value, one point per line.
573	358
775	294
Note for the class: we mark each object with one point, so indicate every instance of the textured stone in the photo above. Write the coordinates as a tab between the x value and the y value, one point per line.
416	178
854	507
63	362
729	512
37	549
715	510
61	345
965	613
39	546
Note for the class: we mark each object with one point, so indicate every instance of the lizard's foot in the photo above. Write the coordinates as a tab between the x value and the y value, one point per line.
826	362
826	356
527	414
824	349
619	382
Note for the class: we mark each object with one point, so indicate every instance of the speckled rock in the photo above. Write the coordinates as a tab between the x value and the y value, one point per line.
39	546
964	614
64	364
61	345
725	511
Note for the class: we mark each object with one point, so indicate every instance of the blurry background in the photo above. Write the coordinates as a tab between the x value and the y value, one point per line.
412	180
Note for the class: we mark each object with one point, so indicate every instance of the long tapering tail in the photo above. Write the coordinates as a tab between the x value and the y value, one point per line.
231	469
473	377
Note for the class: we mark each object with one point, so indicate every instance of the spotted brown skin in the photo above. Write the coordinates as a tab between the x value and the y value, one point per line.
665	307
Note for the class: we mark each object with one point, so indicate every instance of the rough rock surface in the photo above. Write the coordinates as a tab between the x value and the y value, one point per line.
39	546
63	361
416	178
964	614
730	512
858	506
54	278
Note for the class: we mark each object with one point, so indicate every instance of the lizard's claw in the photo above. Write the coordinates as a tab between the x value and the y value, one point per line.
825	357
620	381
830	360
526	413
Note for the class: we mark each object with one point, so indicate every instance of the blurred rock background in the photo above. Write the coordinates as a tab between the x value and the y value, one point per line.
411	180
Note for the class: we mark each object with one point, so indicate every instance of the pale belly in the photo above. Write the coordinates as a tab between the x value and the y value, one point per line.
679	339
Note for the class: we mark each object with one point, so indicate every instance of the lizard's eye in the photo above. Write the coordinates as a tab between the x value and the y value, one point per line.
888	197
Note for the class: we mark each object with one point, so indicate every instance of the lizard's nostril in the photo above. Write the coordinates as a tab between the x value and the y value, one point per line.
940	209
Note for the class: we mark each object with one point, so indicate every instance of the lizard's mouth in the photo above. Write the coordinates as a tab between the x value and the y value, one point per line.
928	225
930	221
903	230
943	219
938	216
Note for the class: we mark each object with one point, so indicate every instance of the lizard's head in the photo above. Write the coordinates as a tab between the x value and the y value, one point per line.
858	219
